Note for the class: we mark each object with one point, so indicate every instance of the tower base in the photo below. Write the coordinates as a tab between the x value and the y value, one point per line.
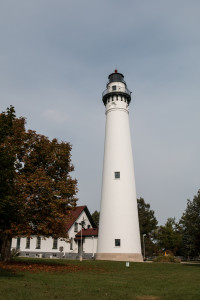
136	257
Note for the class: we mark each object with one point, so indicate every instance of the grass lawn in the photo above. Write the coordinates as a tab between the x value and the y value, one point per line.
64	279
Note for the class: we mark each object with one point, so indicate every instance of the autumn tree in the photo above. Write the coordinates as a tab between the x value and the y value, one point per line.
37	191
148	224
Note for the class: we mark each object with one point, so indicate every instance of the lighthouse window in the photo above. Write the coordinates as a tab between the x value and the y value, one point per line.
117	175
114	87
117	242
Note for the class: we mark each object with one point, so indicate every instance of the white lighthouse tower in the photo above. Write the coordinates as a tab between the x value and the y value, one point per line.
119	237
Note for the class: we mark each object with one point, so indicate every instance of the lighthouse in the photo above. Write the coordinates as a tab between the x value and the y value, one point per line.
119	235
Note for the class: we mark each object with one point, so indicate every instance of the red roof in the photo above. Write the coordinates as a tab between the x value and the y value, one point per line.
73	215
88	232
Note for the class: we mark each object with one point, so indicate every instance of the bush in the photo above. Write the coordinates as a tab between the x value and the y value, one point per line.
167	259
14	253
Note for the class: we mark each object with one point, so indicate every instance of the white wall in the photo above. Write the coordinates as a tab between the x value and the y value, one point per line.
118	213
89	243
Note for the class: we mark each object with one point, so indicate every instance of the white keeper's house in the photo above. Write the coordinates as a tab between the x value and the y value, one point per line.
78	235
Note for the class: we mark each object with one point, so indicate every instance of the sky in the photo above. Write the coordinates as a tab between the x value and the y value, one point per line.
55	58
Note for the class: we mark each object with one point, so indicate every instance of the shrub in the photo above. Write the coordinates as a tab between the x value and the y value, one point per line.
167	259
14	252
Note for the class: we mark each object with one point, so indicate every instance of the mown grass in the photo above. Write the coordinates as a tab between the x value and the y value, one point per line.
103	280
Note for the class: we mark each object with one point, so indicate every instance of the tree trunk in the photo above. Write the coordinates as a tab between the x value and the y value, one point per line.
6	247
0	243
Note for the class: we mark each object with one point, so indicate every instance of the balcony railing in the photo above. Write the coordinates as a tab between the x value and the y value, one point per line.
116	89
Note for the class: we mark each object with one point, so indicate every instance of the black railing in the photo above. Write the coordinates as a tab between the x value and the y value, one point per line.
116	89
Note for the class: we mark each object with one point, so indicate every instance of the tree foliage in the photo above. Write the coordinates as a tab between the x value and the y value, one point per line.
190	223
148	224
169	237
147	220
95	217
36	189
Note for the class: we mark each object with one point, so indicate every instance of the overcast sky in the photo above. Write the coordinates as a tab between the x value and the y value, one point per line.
55	57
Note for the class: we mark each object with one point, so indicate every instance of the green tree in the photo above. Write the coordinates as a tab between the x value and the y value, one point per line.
190	223
95	217
36	189
169	237
148	224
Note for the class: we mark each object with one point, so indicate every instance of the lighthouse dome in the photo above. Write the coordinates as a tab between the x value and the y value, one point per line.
116	88
116	77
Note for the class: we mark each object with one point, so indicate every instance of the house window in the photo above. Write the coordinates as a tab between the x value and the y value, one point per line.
114	87
18	243
38	242
28	241
117	243
71	244
88	226
55	243
117	175
75	227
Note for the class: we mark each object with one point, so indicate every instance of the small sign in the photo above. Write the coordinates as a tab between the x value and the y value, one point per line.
127	264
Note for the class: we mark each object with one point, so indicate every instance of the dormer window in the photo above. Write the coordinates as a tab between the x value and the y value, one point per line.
75	227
